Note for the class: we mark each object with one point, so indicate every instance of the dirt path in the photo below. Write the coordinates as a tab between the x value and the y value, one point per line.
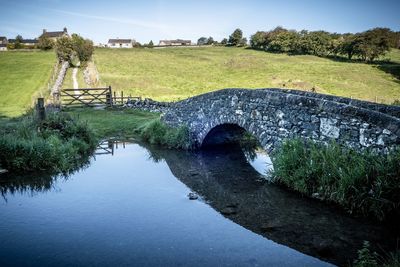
75	80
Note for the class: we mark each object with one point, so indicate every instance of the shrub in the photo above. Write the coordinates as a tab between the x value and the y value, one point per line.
59	143
158	133
364	183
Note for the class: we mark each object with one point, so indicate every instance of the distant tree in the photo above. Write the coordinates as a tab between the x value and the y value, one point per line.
64	48
348	45
45	43
259	40
316	43
224	41
210	40
282	41
18	42
151	44
243	42
373	43
235	38
202	41
82	47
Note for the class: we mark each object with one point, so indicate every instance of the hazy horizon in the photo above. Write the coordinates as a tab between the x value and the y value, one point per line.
156	20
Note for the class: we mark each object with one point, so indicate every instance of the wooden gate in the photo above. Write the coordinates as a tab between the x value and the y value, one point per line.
86	97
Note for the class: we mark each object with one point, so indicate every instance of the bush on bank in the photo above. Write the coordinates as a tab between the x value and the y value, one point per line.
59	143
158	133
363	183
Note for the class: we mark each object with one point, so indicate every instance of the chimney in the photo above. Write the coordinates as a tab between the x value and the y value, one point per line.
65	29
44	31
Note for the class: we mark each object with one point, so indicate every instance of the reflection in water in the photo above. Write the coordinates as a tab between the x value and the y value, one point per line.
261	162
142	204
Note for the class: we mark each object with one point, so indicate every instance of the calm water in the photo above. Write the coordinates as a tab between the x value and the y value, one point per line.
131	209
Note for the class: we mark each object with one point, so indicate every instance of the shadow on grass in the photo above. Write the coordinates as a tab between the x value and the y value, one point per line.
390	67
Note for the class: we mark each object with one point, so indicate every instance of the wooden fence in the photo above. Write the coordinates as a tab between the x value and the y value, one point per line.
92	97
86	97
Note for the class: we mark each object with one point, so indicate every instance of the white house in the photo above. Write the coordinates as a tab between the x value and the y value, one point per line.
3	43
121	43
177	42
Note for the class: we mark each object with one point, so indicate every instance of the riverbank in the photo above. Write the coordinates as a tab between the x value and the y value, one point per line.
57	144
127	123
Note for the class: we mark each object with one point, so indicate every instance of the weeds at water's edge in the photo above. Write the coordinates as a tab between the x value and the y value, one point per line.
369	258
363	183
59	143
158	133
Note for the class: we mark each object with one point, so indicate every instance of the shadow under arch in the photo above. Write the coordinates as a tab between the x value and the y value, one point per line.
223	134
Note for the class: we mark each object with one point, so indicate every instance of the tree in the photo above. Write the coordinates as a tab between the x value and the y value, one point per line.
316	43
18	42
210	40
243	42
258	40
224	41
373	43
65	49
45	43
82	47
235	38
202	41
151	44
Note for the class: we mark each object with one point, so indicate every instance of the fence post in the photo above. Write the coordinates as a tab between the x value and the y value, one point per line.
122	98
40	109
109	99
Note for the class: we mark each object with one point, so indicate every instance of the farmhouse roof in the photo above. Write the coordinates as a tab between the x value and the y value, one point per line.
119	41
54	34
3	38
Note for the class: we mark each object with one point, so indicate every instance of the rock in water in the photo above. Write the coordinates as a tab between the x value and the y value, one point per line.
193	196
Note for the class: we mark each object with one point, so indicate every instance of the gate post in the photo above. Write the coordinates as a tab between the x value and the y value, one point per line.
109	99
40	109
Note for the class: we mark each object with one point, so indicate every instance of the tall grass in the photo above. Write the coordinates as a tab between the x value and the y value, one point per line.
158	133
59	143
363	183
128	123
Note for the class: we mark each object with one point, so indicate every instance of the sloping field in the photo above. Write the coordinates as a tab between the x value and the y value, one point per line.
177	73
22	75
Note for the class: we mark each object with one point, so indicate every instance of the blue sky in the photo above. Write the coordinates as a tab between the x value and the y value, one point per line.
188	19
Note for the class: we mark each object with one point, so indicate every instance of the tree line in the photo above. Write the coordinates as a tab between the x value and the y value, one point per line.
368	45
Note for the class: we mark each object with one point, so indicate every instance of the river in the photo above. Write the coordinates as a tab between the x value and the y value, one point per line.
129	207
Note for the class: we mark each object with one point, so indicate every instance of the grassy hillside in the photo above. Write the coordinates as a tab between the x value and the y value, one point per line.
22	75
177	73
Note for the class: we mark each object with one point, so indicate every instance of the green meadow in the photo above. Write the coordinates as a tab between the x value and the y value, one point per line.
178	73
23	75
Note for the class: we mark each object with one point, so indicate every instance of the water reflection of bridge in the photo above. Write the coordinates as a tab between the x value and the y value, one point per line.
107	147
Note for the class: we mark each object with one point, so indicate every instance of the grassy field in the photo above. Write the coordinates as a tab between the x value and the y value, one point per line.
177	73
23	75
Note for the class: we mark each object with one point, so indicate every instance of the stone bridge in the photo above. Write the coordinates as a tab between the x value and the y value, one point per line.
272	115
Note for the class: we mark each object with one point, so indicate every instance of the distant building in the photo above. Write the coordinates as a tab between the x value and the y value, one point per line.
26	42
177	42
3	43
3	40
55	35
121	43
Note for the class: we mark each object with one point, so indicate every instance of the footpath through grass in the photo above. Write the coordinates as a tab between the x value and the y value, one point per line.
178	73
22	76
